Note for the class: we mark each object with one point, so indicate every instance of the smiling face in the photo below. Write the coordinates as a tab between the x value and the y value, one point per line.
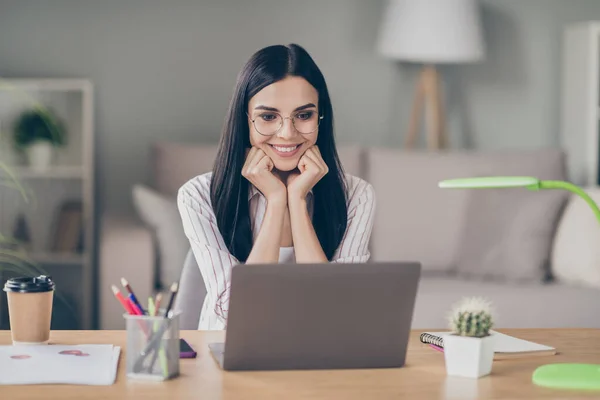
272	130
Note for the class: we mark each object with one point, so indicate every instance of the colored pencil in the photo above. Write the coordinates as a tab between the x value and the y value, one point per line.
127	287
122	300
151	307
157	302
136	310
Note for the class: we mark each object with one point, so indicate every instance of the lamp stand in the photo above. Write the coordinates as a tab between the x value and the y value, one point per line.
428	93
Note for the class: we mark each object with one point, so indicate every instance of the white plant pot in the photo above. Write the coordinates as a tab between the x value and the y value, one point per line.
39	155
469	357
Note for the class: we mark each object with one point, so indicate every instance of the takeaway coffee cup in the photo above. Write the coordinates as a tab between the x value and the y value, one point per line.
30	309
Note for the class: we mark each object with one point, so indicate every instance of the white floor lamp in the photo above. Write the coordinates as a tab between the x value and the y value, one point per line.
431	32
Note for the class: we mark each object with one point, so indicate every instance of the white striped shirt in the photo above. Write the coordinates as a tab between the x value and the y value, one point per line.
215	261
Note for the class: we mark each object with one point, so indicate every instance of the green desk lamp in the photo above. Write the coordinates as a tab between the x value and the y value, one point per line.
559	375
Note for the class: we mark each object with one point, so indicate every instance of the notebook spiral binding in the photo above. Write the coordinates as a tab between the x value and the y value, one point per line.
432	339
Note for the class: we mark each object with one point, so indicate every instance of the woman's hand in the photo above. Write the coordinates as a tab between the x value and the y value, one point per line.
257	169
312	169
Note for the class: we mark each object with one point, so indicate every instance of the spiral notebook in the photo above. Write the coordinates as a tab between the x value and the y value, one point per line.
505	346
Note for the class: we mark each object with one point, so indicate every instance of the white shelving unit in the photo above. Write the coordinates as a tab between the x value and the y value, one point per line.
70	178
580	101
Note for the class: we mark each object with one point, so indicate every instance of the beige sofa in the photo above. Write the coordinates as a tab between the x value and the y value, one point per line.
533	254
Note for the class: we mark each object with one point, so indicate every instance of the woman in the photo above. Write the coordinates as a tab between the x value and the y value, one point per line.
277	192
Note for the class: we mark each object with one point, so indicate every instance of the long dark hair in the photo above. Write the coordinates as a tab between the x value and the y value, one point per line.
229	189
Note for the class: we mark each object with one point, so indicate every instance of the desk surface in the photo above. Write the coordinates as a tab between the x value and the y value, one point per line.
423	377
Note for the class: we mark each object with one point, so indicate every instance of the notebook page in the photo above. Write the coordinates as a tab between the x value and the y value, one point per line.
508	344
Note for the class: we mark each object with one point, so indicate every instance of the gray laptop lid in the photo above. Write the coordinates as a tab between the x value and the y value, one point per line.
305	316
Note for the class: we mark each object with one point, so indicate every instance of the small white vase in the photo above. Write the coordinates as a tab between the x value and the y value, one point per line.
39	155
469	357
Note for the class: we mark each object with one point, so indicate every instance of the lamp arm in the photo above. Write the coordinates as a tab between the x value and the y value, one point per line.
574	189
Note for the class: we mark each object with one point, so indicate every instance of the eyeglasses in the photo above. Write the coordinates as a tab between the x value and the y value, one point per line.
268	123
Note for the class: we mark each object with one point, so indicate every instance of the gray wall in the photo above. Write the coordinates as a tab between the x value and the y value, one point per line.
165	70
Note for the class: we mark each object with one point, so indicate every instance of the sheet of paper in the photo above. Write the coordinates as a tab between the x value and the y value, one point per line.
115	365
508	344
56	364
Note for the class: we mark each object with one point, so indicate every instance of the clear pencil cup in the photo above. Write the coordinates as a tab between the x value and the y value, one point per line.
152	347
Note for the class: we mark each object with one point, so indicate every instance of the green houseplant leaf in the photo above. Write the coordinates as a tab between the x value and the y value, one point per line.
38	124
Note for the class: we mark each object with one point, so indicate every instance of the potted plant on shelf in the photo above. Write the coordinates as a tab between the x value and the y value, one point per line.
469	348
37	131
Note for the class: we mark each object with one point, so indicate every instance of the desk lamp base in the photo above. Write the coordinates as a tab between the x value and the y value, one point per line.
568	376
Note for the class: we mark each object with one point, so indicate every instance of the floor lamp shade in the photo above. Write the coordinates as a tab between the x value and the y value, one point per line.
432	31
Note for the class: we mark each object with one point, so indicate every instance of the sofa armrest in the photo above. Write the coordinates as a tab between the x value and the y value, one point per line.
575	255
126	250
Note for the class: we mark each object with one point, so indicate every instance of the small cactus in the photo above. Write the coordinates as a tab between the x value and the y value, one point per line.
471	316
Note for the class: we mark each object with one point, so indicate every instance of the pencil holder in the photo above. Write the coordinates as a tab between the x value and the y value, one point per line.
152	347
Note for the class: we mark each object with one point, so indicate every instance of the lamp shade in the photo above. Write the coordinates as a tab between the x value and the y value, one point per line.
432	31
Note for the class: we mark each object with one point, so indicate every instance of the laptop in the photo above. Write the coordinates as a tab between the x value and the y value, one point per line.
318	316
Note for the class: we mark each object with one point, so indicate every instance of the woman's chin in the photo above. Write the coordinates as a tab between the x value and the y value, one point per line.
286	165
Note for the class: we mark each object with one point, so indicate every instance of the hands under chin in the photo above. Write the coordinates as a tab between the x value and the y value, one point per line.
311	169
258	170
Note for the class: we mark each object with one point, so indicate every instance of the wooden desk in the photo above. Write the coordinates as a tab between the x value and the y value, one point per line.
423	377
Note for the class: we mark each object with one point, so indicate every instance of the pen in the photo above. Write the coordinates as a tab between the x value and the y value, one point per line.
134	299
174	288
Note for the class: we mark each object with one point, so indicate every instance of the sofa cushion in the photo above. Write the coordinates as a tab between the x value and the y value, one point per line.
527	305
576	253
352	159
160	214
415	219
173	164
509	233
